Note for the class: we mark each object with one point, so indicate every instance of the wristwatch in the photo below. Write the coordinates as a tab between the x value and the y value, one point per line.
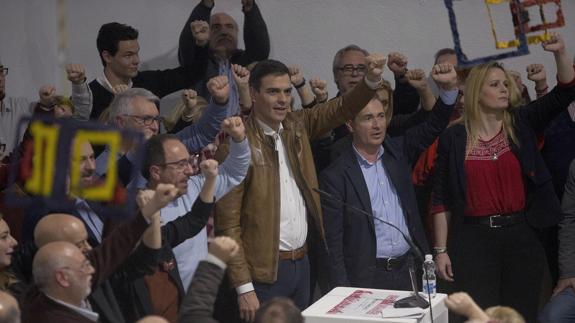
438	250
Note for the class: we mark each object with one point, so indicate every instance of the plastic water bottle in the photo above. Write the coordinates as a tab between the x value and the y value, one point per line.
429	279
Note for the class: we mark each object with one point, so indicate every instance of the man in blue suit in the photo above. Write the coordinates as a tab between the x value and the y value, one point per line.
373	173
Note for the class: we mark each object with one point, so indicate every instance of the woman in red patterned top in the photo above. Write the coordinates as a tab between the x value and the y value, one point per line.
492	188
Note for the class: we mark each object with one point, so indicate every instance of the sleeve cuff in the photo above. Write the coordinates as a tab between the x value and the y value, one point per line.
216	261
239	146
566	85
83	88
437	209
373	85
245	288
449	97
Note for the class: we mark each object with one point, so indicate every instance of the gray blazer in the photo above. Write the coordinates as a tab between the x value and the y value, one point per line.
198	304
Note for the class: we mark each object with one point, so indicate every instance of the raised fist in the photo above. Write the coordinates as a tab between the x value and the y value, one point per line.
117	89
444	76
397	63
462	304
247	5
76	73
375	64
416	78
234	127
164	194
190	98
319	89
536	73
223	248
208	3
150	202
200	32
554	44
144	197
241	75
46	94
209	168
295	75
219	88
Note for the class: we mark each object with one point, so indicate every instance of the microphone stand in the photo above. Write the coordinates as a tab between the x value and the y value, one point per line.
414	300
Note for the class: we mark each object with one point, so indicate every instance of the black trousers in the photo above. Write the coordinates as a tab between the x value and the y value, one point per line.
396	279
500	266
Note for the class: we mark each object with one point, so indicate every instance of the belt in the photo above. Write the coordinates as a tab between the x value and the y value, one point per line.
497	220
295	254
390	264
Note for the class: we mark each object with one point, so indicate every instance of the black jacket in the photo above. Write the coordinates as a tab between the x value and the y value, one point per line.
541	204
132	292
351	236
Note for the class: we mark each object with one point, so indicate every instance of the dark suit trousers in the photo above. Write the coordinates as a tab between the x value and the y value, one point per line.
500	266
292	282
396	279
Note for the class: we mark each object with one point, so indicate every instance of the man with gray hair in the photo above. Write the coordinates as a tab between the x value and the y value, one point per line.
136	109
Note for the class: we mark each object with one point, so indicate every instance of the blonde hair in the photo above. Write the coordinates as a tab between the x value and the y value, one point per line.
473	85
385	87
105	117
178	112
65	101
504	314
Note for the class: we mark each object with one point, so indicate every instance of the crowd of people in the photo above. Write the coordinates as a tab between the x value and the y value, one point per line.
249	207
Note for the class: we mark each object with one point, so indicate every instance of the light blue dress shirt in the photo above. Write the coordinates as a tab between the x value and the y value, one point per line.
385	205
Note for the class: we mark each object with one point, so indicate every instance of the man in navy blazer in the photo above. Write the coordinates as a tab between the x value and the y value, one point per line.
374	174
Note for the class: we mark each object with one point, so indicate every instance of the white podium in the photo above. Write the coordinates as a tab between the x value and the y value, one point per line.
363	305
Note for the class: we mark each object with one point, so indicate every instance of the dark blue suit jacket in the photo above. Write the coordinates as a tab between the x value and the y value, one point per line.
350	235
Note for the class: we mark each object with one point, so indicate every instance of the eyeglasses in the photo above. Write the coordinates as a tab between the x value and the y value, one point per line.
194	161
348	69
4	71
146	120
182	164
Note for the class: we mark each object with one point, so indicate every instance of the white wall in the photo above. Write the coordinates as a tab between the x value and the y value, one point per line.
304	32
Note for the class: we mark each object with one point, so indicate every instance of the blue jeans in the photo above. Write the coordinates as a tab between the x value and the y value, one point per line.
561	308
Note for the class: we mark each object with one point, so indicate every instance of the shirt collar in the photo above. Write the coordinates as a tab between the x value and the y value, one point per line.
571	110
103	80
268	131
85	311
364	161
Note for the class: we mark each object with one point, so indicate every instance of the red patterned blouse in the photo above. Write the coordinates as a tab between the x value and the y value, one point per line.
494	183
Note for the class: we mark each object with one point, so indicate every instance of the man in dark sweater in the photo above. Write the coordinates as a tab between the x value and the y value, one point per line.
217	35
119	51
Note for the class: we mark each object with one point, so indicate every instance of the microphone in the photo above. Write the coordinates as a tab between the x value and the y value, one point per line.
413	247
410	301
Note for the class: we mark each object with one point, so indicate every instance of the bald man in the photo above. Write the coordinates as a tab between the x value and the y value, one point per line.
9	309
62	227
220	41
44	302
153	319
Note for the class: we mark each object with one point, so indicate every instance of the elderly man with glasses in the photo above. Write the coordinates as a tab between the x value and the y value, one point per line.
137	109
